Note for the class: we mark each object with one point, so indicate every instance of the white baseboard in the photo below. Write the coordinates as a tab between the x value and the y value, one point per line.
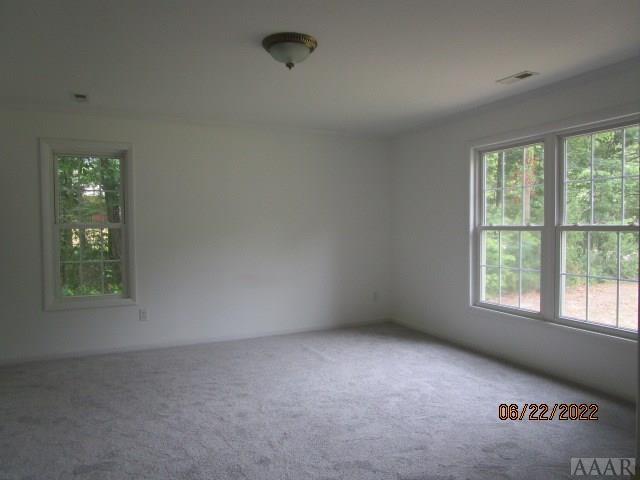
182	343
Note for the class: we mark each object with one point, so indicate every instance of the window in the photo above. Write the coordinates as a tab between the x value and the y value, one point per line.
87	224
512	220
556	227
599	245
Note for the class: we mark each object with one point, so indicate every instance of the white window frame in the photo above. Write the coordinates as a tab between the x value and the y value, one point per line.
552	136
49	148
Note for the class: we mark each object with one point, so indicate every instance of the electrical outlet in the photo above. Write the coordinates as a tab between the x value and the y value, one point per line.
142	315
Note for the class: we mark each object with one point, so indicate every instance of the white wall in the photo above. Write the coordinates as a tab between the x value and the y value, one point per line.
246	231
430	236
239	232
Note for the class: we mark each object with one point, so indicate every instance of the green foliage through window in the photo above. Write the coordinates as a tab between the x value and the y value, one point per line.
600	267
513	194
511	268
88	217
601	177
598	233
514	186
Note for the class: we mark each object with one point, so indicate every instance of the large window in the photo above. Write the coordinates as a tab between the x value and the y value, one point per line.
512	220
87	224
556	229
599	245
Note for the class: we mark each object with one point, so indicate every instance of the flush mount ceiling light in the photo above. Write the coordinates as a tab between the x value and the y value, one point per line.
289	47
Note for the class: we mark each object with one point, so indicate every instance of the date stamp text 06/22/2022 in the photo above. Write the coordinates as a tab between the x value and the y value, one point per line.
548	411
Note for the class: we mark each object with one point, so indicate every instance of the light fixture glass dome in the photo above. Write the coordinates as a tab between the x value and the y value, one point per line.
289	47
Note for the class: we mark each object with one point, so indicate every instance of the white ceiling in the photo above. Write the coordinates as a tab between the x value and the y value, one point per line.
380	67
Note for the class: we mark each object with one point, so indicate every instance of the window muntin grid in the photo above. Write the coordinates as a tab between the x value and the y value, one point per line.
591	179
621	169
600	209
513	186
512	196
511	272
89	211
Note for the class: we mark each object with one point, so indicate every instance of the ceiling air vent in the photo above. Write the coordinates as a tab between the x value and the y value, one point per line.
80	97
516	77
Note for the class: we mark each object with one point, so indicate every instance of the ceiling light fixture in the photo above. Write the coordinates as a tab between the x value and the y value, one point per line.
289	47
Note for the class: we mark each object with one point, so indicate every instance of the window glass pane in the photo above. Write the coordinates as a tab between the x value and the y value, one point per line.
607	153
75	175
574	298
490	243
112	243
112	278
68	204
69	279
629	255
493	170
110	173
88	189
92	246
530	298
514	167
607	201
602	301
502	285
631	200
578	155
493	207
69	171
514	186
88	248
534	165
69	244
603	254
89	206
575	253
578	203
632	150
605	303
628	313
513	206
113	208
509	294
491	282
615	152
91	279
534	205
93	206
531	250
510	244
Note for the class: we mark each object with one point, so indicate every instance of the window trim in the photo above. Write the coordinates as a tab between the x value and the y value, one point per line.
552	135
49	147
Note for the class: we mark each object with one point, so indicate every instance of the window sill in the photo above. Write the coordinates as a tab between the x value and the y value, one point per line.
585	327
87	302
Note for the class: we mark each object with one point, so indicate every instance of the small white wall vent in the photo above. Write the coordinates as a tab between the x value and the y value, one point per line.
516	77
